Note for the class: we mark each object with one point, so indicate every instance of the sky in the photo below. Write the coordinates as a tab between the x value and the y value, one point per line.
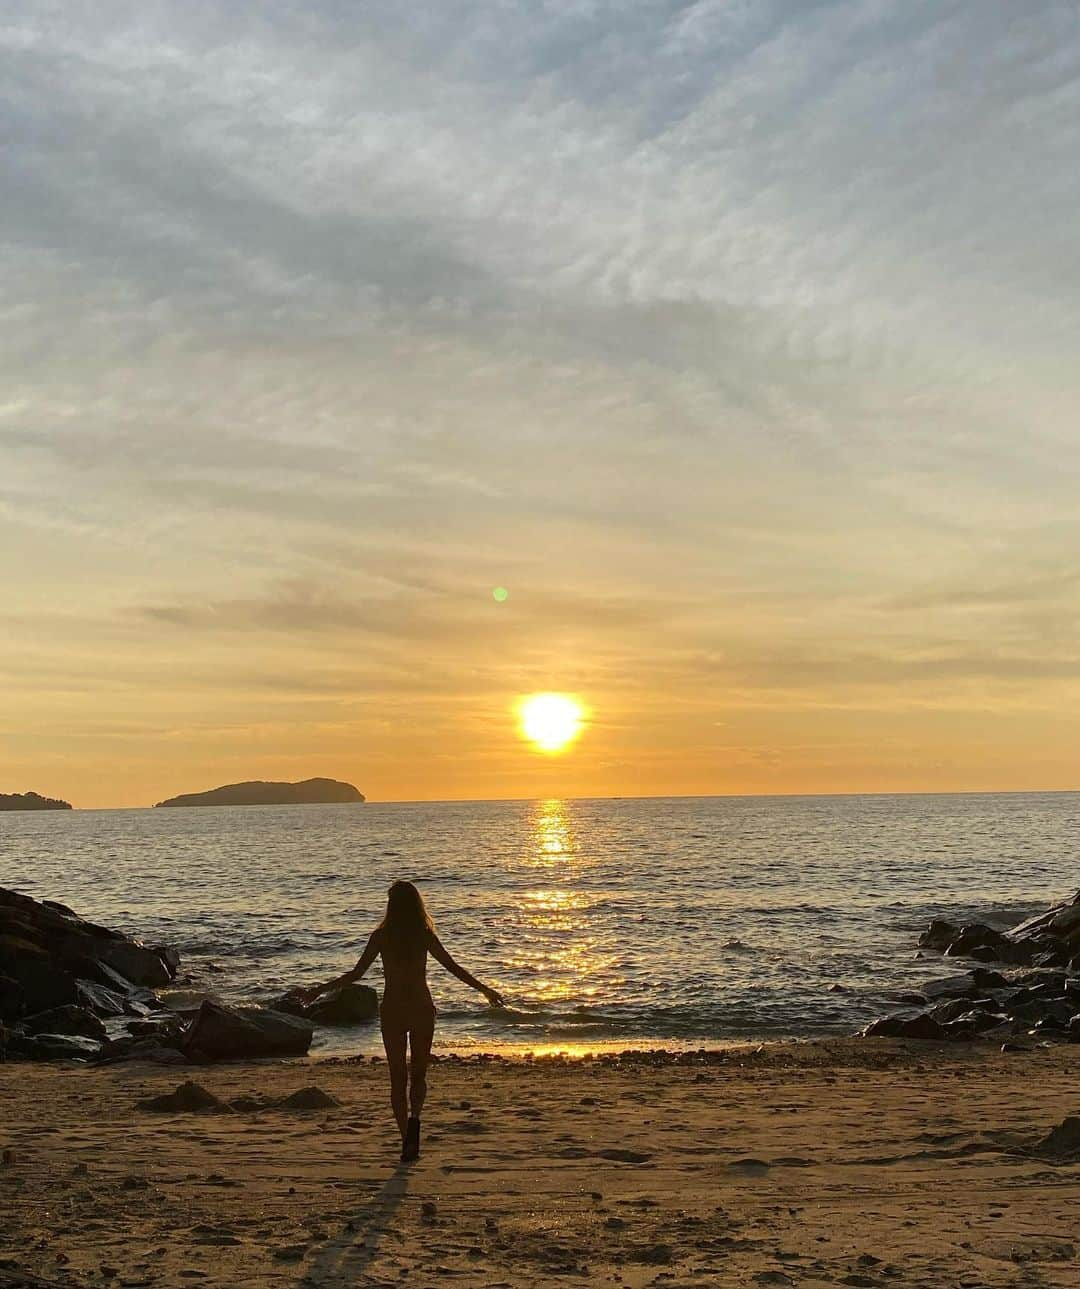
735	339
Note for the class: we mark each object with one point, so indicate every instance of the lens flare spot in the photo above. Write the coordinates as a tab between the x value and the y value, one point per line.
500	595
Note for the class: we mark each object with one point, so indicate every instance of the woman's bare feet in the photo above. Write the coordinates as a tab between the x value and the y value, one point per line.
410	1147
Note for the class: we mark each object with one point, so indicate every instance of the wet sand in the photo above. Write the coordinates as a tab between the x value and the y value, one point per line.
849	1162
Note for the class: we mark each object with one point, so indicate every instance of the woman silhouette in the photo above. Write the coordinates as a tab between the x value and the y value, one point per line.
404	938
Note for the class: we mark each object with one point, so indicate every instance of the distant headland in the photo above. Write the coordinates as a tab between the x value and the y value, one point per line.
309	792
31	801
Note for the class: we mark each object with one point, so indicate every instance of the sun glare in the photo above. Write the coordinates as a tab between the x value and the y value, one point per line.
550	722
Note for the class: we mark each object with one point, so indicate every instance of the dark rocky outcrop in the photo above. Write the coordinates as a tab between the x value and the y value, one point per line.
221	1033
31	801
916	1026
63	977
349	1004
54	1047
71	989
67	1020
257	793
1042	1001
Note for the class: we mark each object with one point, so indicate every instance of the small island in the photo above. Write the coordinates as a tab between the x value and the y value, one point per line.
31	801
309	792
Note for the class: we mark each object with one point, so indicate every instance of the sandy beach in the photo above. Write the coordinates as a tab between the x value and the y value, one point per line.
848	1162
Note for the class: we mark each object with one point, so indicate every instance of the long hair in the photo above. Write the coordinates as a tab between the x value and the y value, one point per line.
407	924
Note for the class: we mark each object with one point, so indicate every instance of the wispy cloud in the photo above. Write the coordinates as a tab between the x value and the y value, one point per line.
715	330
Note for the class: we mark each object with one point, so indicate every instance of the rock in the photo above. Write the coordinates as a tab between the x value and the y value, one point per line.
976	983
1042	977
899	1026
972	937
349	1004
1034	925
188	1098
41	986
156	1053
234	1033
979	1021
309	1099
1056	1010
66	1020
167	1029
55	1047
352	1004
953	1008
938	935
1068	919
54	962
1052	957
137	963
98	999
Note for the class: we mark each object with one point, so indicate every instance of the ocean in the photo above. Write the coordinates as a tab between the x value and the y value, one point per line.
683	922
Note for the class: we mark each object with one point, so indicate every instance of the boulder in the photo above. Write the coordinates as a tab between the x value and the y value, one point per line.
167	1029
938	935
958	1031
1066	921
1057	956
159	1051
66	1020
98	999
41	985
970	985
349	1004
55	1047
1034	926
137	963
11	997
979	1021
972	937
899	1026
953	1008
220	1033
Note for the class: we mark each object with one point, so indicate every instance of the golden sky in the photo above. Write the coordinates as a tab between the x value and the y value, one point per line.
737	341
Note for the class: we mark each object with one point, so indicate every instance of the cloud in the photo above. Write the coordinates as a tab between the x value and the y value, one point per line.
717	331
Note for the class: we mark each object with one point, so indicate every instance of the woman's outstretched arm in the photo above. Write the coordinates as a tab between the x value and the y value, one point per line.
371	950
439	953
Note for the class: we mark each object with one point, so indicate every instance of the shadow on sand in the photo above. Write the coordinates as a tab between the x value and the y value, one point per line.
343	1260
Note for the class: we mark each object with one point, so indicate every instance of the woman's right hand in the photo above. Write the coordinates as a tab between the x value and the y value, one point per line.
494	997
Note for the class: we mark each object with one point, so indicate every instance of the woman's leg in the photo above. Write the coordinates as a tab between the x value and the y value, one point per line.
394	1039
420	1036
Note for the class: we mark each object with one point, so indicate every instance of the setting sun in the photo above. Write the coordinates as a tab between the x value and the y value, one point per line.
551	722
